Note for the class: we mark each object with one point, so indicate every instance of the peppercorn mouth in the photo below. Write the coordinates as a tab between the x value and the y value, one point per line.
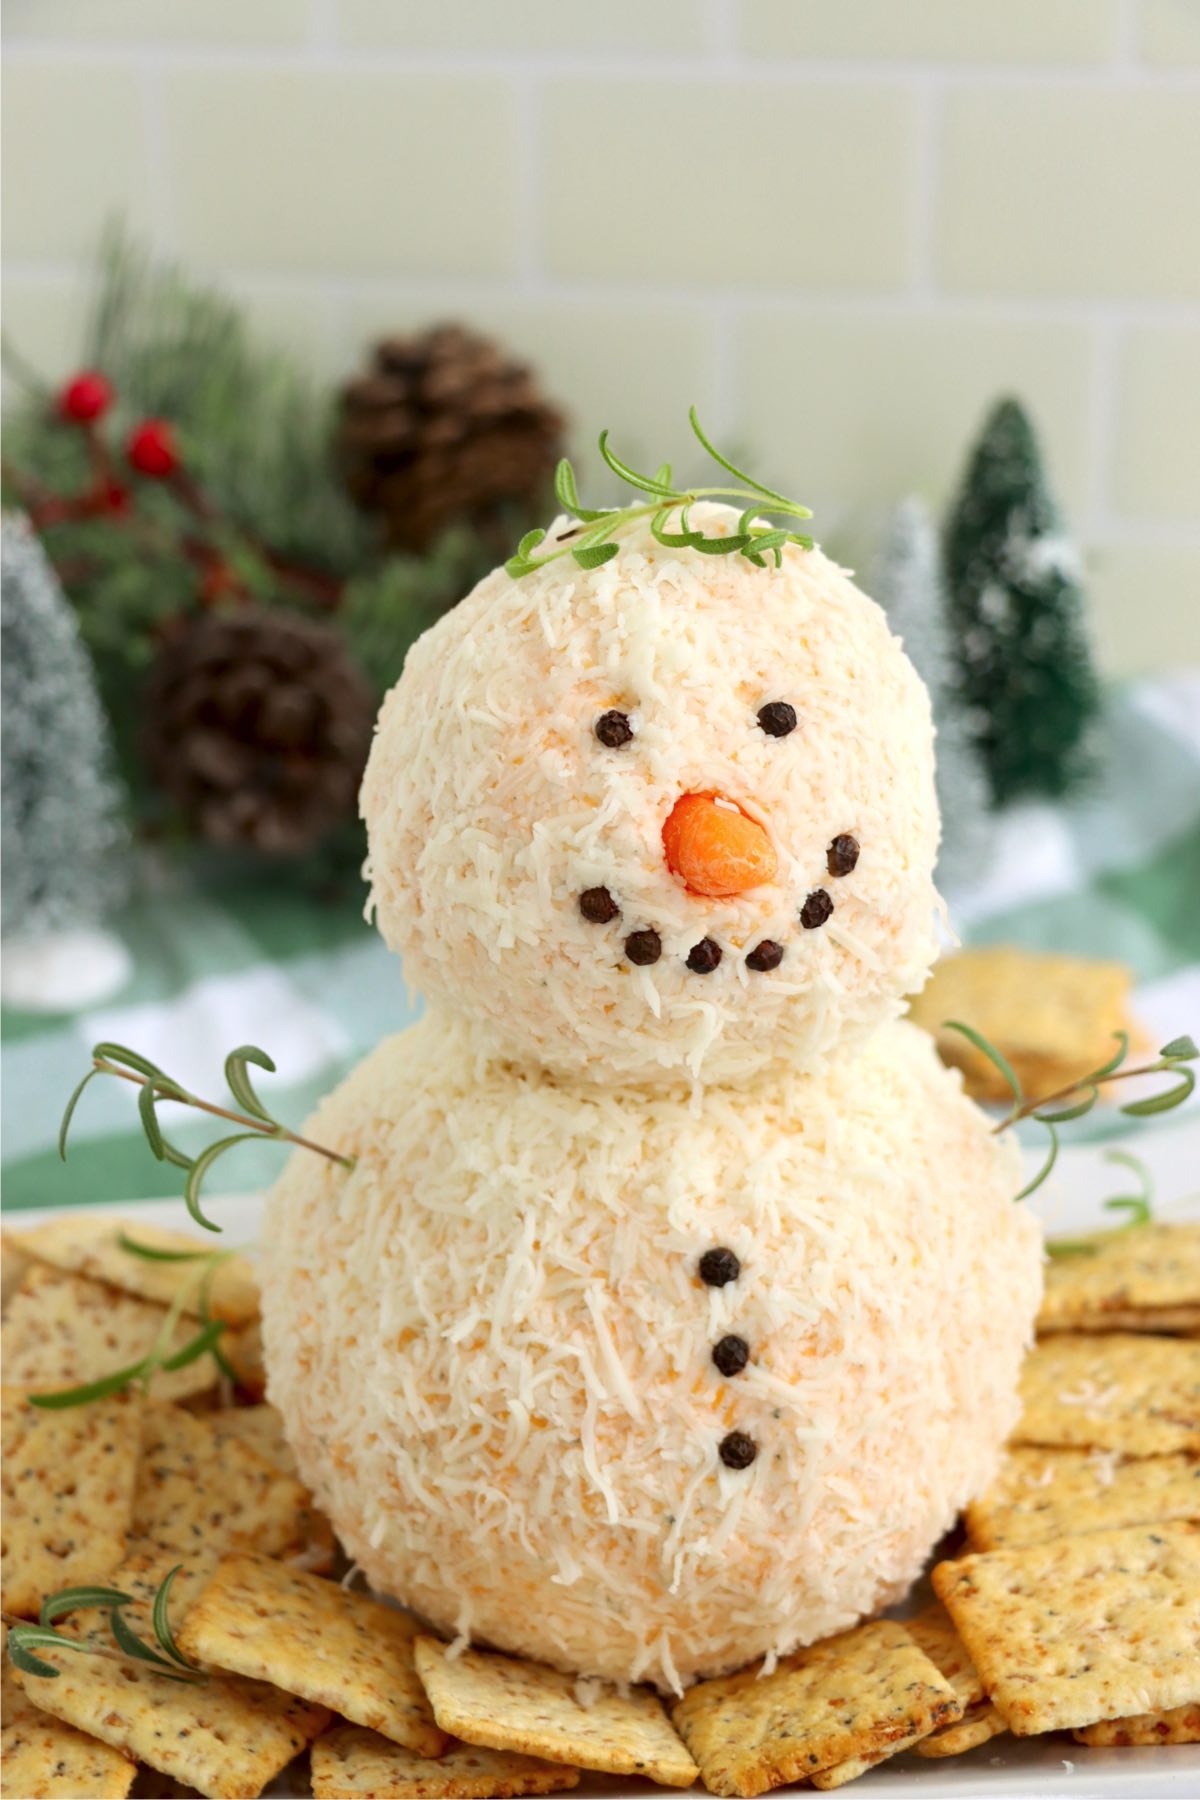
643	946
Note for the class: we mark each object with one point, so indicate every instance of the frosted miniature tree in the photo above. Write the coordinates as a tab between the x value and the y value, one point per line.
65	847
907	582
1018	616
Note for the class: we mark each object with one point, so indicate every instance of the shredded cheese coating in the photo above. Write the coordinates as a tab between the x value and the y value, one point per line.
492	1349
491	806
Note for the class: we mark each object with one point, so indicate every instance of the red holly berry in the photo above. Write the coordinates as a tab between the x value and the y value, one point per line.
88	396
152	449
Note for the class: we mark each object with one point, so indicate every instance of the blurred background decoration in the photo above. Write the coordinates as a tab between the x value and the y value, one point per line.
303	300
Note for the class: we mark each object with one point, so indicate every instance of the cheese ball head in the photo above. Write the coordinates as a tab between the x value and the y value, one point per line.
643	1390
671	818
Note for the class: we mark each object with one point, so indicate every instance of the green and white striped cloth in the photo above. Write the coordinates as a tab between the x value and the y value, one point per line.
1117	874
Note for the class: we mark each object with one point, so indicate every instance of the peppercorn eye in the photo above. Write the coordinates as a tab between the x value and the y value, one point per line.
613	729
777	718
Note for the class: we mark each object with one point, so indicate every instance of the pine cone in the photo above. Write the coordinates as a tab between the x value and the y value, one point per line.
258	727
446	427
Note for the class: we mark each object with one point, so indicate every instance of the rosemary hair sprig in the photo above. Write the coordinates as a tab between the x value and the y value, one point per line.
25	1640
1138	1207
593	541
156	1085
1079	1096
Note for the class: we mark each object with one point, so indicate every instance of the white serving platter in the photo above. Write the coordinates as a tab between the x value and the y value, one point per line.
1006	1768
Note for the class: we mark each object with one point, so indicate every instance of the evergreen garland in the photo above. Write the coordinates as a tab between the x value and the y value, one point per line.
1018	613
190	469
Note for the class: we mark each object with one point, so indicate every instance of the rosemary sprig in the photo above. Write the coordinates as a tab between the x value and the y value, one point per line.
156	1085
160	1356
592	541
1079	1096
1139	1208
25	1640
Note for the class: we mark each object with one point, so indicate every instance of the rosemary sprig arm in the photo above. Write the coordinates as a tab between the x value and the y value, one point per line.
156	1085
1139	1208
24	1640
593	541
1080	1096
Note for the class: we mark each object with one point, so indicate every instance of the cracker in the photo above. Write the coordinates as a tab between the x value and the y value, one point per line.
1053	1016
1177	1725
68	1494
318	1640
64	1330
349	1763
505	1704
1138	1395
244	1352
1042	1494
88	1244
40	1758
861	1692
977	1726
1163	1321
1151	1268
200	1492
934	1632
13	1264
226	1737
1085	1628
840	1773
262	1428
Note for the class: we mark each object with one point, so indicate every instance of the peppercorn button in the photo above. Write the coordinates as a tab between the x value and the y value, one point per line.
703	957
598	906
719	1266
643	947
737	1451
842	854
731	1354
816	909
613	729
777	718
765	956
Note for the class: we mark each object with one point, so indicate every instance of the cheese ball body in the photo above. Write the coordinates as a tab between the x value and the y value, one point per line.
539	741
494	1352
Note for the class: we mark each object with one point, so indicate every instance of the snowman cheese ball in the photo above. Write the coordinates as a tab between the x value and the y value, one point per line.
675	1302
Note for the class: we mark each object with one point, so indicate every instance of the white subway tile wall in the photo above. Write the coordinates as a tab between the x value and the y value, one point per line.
840	226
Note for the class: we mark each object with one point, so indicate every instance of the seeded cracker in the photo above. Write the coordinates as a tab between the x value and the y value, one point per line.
13	1264
1149	1269
262	1428
68	1495
64	1330
1053	1016
1086	1628
1177	1725
200	1493
1043	1494
1165	1321
349	1762
862	1692
1138	1395
934	1632
244	1351
226	1737
978	1725
89	1246
40	1756
505	1704
318	1640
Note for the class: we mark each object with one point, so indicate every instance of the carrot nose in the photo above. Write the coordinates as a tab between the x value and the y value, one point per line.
714	848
